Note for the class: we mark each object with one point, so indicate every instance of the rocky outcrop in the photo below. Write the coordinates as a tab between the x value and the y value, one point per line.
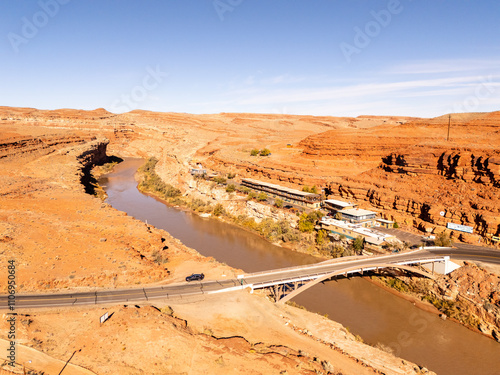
430	188
427	182
404	167
481	166
42	145
259	212
474	296
85	157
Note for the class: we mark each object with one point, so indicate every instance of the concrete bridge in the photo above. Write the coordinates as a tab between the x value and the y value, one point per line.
286	283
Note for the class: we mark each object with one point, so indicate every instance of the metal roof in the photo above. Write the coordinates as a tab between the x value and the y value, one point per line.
357	212
374	241
385	221
366	232
340	203
280	188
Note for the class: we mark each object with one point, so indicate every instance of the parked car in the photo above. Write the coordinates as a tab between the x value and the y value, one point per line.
195	277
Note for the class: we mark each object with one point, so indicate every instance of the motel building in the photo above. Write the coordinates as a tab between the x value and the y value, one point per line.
349	212
373	238
359	216
334	206
309	200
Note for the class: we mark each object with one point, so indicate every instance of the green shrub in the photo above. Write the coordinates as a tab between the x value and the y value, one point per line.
230	176
307	189
153	182
305	223
220	180
443	239
252	195
247	222
395	225
254	152
262	197
200	205
265	152
171	191
219	210
230	188
159	258
315	215
397	284
336	250
358	244
149	166
278	203
321	237
177	201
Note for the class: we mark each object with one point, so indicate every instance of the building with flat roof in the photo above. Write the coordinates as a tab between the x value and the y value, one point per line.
334	205
358	216
198	171
290	195
384	223
372	237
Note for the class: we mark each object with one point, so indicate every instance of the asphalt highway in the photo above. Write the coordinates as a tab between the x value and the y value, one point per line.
184	290
472	253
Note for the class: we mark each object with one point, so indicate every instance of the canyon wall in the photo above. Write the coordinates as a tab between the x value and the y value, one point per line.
426	182
421	172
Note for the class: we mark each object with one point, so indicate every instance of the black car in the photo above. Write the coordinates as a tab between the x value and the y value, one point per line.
195	277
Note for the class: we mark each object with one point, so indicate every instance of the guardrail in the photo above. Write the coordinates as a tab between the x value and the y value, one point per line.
311	276
344	260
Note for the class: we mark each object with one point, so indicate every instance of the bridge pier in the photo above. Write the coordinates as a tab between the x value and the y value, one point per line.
280	291
289	294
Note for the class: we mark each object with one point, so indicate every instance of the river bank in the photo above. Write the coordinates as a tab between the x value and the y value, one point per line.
365	308
427	296
62	239
280	227
141	206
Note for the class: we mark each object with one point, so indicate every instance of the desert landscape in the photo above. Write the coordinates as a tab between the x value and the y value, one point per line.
64	239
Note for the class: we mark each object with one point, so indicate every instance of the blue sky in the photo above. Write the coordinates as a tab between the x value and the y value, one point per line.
320	57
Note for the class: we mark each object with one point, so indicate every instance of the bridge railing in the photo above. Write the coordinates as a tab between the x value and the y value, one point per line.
319	264
344	260
310	276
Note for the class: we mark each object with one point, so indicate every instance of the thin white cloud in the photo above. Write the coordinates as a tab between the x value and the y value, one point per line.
353	91
444	66
250	80
377	94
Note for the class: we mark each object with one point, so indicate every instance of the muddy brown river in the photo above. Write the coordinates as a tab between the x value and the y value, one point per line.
369	311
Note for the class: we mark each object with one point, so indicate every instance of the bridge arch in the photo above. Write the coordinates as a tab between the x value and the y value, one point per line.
345	270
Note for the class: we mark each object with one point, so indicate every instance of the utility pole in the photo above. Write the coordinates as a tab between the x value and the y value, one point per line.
449	123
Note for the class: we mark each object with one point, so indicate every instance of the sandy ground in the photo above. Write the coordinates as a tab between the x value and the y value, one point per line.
62	239
231	333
